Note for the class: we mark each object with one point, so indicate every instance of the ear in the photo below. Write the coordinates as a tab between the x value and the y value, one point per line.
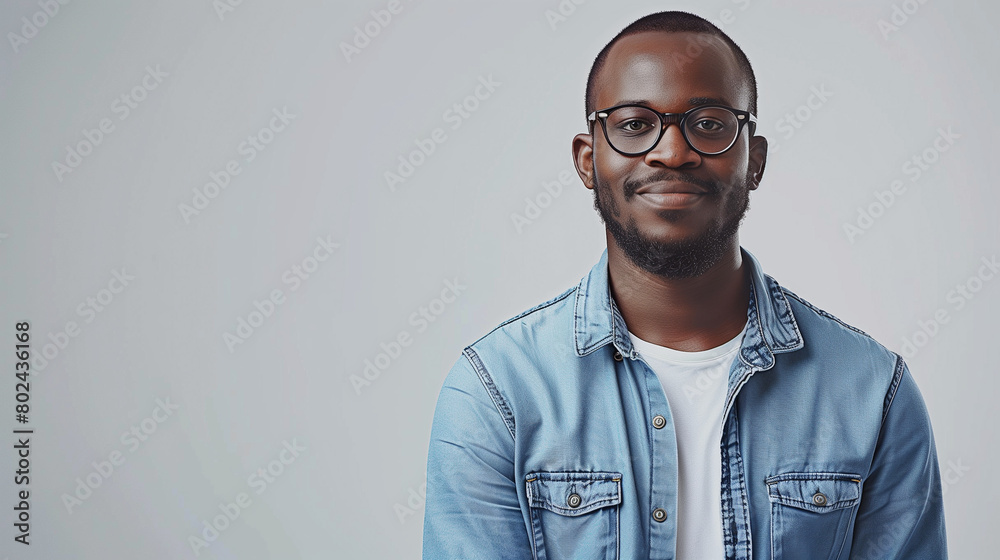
758	159
583	158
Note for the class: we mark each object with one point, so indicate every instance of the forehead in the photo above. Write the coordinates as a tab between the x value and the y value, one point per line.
669	69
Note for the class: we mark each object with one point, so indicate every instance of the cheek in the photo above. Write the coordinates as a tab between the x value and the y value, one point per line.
741	159
733	170
612	169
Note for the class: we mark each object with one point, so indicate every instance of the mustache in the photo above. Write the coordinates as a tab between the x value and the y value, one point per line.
710	187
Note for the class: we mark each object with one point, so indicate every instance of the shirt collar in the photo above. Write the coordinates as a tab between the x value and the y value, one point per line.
770	329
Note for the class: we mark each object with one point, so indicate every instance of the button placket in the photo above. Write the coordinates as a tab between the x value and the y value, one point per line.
663	465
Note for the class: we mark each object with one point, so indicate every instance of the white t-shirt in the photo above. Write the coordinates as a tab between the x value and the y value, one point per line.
695	384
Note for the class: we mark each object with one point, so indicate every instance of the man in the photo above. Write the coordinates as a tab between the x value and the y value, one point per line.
678	402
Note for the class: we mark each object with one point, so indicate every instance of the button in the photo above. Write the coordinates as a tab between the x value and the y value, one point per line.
574	500
659	515
819	499
659	421
618	356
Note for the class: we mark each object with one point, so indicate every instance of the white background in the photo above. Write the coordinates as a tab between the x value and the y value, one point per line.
349	493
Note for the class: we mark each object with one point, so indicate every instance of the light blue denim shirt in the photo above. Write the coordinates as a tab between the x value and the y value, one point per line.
552	439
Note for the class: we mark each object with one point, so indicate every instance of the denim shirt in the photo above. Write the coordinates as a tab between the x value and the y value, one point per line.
552	439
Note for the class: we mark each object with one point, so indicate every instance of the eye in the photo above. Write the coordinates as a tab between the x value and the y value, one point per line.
708	125
634	125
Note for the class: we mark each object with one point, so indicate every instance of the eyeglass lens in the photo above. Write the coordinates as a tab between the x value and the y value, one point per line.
635	129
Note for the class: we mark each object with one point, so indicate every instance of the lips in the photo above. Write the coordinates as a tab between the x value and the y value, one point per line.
670	196
670	188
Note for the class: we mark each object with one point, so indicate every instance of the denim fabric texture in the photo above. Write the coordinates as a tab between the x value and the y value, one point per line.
543	444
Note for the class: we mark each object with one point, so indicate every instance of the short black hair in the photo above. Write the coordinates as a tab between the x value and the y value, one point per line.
673	21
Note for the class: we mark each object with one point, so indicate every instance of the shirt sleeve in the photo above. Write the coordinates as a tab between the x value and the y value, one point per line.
471	509
901	514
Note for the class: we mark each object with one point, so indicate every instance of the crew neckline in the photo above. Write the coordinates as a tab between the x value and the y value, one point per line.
674	356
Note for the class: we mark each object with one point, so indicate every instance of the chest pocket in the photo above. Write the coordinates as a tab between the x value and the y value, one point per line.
811	514
574	514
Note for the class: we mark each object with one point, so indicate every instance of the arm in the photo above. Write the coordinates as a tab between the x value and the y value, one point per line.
471	509
901	514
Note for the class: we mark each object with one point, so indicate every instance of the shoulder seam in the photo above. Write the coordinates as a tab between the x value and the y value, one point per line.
527	312
498	401
822	313
897	376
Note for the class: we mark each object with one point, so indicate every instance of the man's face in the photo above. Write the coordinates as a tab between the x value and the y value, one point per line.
674	236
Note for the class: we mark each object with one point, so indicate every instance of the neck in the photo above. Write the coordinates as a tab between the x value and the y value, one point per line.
687	314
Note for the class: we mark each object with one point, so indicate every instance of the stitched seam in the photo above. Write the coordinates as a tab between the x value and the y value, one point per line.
771	525
728	512
850	523
788	307
491	388
577	319
580	510
792	501
891	394
760	322
576	316
743	492
824	313
812	476
618	530
527	312
531	517
568	476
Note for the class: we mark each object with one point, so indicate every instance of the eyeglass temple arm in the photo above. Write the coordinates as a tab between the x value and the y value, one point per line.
753	122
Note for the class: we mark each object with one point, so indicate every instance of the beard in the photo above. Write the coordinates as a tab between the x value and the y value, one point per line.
683	258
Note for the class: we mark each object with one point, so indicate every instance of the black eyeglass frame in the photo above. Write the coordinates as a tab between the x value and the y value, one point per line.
742	118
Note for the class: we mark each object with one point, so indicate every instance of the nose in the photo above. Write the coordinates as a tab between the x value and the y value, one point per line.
672	150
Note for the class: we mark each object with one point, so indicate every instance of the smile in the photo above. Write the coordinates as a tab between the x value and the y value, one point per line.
671	200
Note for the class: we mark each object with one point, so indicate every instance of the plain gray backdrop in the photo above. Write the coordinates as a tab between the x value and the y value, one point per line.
182	391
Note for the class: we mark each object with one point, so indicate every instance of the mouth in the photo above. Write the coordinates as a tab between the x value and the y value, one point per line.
671	194
671	200
670	188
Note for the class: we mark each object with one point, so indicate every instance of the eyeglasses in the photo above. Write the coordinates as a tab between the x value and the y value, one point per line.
633	130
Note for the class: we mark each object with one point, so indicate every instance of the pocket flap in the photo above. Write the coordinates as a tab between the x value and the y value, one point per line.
573	493
818	492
